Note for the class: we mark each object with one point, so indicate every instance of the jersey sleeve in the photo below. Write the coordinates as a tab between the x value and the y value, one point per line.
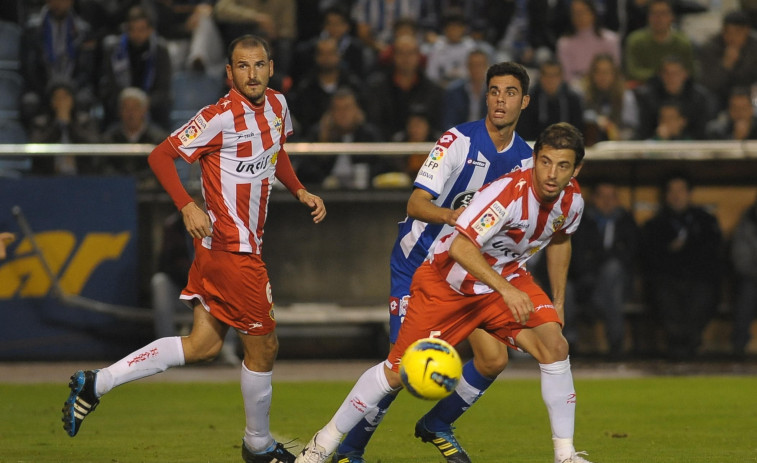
448	154
486	214
576	212
203	134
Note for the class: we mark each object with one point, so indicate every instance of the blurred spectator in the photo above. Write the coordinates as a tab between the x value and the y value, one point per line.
393	92
336	25
417	130
57	45
610	109
274	20
744	261
672	123
729	59
311	97
523	31
673	83
586	39
62	122
402	27
192	35
448	55
375	20
343	122
552	100
647	47
133	126
6	238
137	58
682	253
608	243
465	99
475	13
739	122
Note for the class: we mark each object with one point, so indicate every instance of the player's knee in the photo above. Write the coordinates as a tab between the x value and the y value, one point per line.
204	352
491	366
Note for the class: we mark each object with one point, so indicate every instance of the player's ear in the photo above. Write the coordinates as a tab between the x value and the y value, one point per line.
577	169
270	69
524	103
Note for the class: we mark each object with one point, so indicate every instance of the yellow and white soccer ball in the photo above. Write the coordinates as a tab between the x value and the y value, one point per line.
430	369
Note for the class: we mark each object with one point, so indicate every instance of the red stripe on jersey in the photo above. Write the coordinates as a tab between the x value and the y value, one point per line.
237	109
541	220
265	191
243	207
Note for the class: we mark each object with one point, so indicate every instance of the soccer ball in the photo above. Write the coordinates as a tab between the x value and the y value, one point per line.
430	369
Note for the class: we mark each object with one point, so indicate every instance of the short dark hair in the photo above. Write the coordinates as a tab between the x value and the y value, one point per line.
737	18
562	136
509	68
249	41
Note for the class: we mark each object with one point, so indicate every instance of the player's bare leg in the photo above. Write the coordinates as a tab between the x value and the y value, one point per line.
258	445
547	344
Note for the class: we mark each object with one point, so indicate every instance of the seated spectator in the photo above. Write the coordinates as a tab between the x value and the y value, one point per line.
403	26
523	31
681	248
646	48
447	56
744	260
336	25
57	45
610	110
192	35
609	240
729	58
586	39
417	130
393	92
672	123
465	99
133	126
276	21
311	97
552	100
674	84
739	122
62	122
343	122
137	58
375	20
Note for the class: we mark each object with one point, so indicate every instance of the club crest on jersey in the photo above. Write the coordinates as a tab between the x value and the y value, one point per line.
275	158
462	199
558	223
277	124
489	218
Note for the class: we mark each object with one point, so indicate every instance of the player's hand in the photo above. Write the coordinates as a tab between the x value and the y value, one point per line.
519	304
6	238
314	202
196	221
451	219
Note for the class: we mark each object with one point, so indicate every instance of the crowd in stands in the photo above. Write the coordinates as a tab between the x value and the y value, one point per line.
628	74
118	71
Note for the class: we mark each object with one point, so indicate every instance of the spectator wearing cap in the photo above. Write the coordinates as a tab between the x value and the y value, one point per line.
729	58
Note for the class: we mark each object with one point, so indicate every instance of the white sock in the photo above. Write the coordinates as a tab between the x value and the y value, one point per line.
363	398
156	357
256	394
560	398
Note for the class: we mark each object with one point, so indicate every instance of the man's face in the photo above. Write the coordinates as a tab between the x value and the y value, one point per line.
59	8
740	108
327	55
581	16
605	198
407	56
735	35
677	195
133	113
335	26
550	79
139	31
553	169
671	117
674	77
603	74
478	64
250	70
345	112
504	101
660	18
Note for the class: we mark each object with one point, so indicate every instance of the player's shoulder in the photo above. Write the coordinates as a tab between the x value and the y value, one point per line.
520	144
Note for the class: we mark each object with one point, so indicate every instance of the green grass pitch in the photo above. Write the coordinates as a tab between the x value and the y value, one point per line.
668	419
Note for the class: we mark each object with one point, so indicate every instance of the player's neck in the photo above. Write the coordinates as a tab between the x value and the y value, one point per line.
500	137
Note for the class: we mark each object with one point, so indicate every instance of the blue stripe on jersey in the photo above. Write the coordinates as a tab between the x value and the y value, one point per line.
497	164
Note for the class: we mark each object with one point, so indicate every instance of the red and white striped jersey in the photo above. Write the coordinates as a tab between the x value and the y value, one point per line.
237	145
509	225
